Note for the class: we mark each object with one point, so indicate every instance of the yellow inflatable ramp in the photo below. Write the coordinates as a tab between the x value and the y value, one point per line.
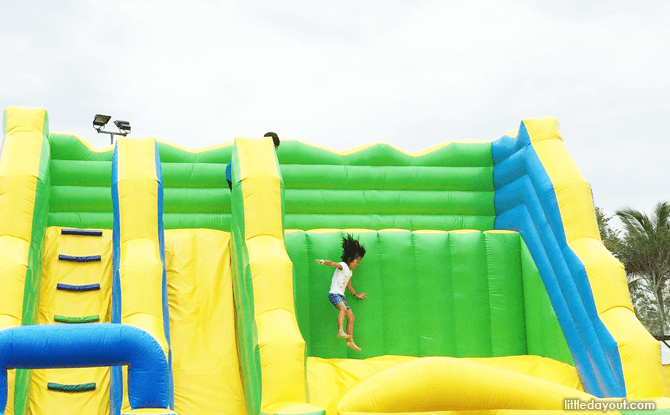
205	361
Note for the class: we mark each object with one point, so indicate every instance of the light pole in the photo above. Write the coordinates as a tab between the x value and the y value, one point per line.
100	121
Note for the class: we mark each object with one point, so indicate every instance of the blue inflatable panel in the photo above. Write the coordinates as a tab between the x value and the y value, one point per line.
525	201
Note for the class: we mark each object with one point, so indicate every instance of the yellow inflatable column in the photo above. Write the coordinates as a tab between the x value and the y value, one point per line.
640	353
23	165
140	289
19	170
281	348
141	269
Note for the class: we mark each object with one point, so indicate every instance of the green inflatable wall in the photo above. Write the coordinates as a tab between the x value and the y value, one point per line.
376	188
462	294
381	187
196	194
81	180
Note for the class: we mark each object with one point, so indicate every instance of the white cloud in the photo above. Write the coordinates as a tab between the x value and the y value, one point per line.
347	73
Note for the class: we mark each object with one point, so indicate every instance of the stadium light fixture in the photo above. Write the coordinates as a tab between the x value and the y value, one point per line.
123	126
99	122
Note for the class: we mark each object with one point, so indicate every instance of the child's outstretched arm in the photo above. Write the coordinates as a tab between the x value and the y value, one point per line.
329	263
353	292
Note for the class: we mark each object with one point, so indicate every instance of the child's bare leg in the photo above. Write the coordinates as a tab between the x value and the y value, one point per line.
350	329
340	320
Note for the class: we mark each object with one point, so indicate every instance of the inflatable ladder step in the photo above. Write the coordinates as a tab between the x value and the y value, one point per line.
69	287
82	387
81	232
71	258
76	320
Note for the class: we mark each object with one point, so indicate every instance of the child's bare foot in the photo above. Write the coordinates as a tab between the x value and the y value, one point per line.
351	344
342	335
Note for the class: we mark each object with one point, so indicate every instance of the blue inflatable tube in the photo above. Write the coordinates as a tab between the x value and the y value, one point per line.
101	344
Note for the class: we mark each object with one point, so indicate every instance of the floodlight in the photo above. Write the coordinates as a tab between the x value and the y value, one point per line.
100	121
123	126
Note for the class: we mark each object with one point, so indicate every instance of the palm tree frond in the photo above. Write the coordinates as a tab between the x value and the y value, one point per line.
662	215
634	221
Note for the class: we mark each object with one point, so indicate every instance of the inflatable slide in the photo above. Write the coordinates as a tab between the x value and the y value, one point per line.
135	282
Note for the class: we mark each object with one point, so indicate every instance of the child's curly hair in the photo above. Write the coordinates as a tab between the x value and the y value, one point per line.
351	249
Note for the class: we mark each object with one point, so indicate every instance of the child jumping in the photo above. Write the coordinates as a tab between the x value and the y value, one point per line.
352	253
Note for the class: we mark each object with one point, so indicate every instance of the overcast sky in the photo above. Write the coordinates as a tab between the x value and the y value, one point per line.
346	73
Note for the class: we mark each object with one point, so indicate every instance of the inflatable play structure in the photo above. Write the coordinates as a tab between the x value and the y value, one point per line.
135	282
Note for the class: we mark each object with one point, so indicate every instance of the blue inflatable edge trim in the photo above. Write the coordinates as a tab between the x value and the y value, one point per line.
116	382
161	244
